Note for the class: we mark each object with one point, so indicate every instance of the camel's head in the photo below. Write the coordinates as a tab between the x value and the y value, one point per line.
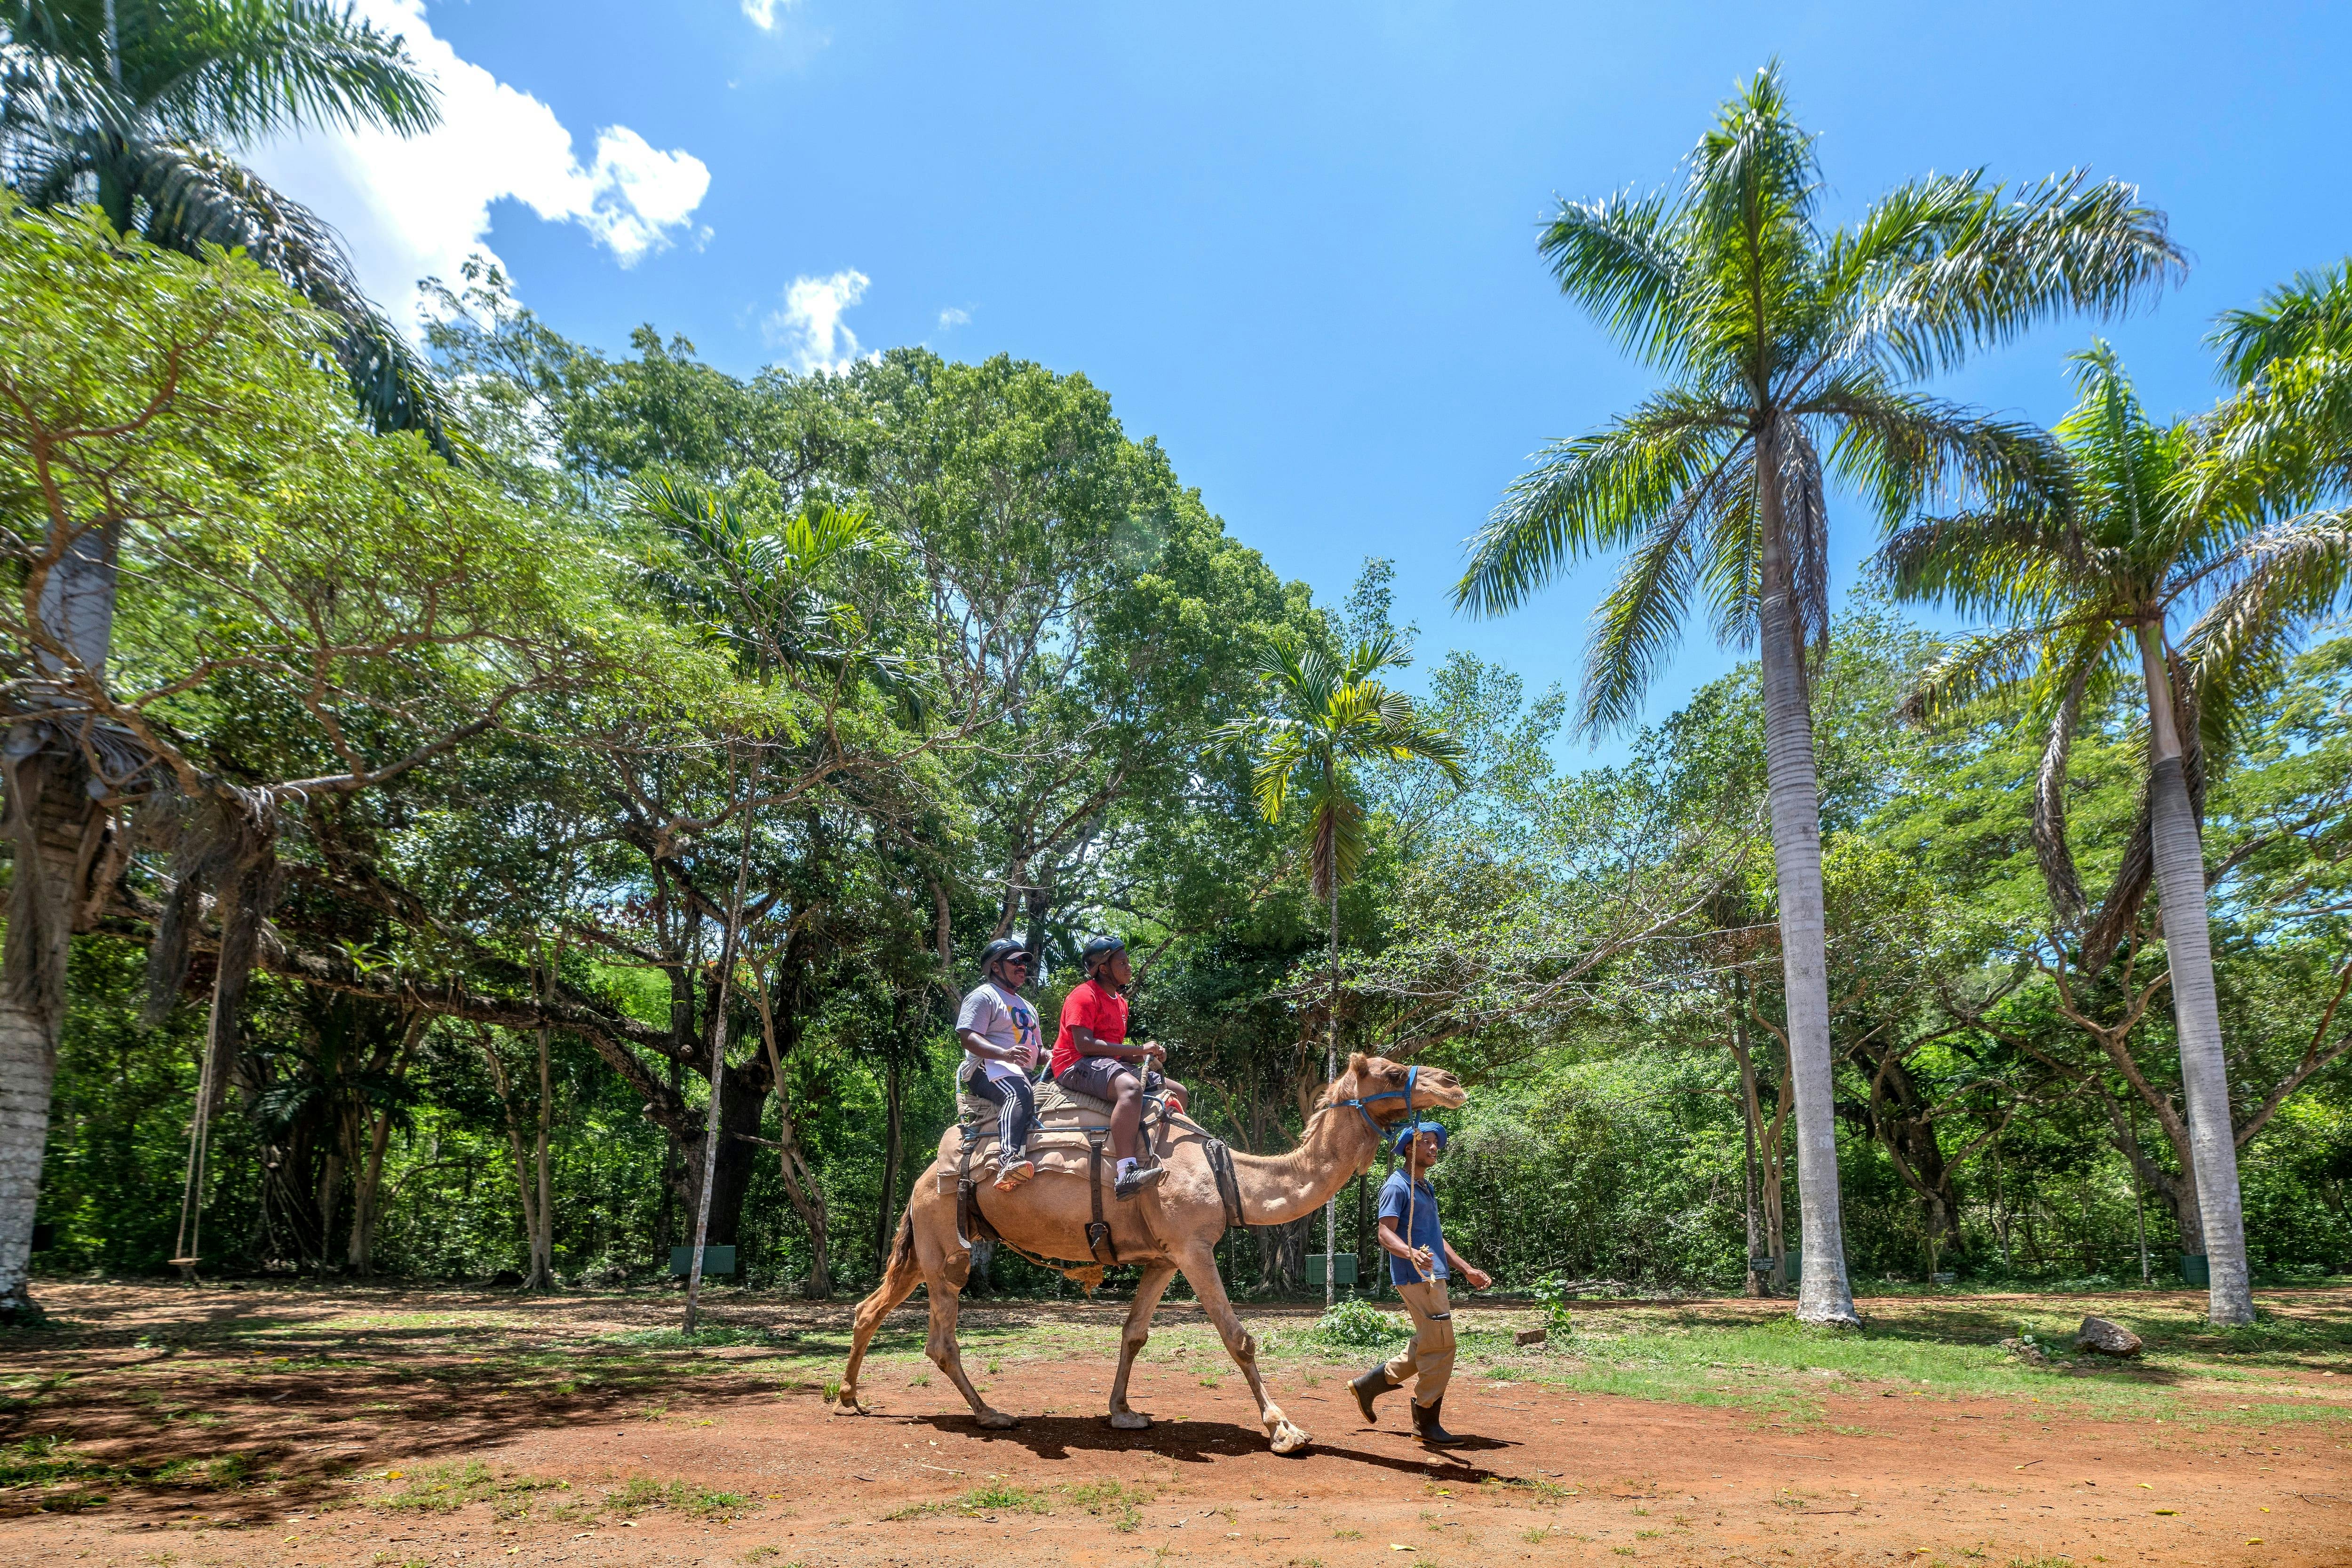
1433	1088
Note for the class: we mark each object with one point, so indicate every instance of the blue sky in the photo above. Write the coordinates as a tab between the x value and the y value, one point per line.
1296	243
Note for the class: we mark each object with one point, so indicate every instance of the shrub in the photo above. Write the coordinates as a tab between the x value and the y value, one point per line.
1358	1323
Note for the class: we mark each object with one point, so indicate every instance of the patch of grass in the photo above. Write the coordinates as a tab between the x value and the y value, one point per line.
1108	1499
445	1489
642	1495
45	1460
703	1336
995	1497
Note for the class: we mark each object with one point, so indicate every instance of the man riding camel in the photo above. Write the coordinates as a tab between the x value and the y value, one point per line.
1092	1056
1420	1262
1002	1043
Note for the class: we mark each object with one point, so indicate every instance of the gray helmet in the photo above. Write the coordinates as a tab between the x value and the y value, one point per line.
996	952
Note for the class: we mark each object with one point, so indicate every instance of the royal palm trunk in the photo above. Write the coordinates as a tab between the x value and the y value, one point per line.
48	813
1823	1296
2197	1014
51	821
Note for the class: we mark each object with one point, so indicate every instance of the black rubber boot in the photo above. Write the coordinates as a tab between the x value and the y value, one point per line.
1425	1426
1370	1387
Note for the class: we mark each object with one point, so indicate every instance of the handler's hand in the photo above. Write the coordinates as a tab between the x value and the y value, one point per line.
1478	1278
1423	1260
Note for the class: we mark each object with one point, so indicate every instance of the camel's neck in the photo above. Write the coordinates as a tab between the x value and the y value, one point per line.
1279	1188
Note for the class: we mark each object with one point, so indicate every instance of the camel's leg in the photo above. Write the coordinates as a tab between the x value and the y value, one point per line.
1130	1342
1200	1267
942	1350
898	1282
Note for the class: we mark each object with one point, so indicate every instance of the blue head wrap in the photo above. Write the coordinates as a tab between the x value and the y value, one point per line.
1408	1132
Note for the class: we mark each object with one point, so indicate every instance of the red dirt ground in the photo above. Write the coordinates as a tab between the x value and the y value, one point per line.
1931	1480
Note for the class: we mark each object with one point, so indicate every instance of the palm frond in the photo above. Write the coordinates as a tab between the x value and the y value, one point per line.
1910	451
1973	668
1407	736
2062	246
2285	438
1635	626
1336	838
196	197
2284	578
1594	493
241	70
2309	314
1755	169
2069	665
1805	530
1617	257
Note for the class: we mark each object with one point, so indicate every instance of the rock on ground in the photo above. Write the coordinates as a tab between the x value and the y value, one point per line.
2106	1336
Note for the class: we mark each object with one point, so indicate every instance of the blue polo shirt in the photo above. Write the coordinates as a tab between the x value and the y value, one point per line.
1419	1227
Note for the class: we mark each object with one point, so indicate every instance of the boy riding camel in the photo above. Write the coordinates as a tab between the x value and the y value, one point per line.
1002	1043
1419	1262
1092	1056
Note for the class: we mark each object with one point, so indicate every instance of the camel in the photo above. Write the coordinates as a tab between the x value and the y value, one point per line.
1176	1225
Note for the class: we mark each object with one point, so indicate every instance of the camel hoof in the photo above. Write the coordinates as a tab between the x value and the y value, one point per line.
997	1420
1290	1439
848	1404
1129	1420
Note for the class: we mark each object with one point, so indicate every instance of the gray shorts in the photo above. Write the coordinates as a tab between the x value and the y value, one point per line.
1096	1077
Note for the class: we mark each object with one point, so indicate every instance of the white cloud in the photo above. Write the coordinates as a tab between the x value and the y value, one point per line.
763	11
417	206
809	326
952	318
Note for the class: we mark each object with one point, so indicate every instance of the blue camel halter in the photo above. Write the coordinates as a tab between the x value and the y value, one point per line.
1411	1074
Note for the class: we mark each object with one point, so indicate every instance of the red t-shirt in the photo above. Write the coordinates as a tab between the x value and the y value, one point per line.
1091	1006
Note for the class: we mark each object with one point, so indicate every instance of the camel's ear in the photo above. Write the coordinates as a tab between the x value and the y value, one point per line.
1355	1061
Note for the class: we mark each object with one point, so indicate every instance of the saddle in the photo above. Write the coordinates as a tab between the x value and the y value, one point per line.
1073	1131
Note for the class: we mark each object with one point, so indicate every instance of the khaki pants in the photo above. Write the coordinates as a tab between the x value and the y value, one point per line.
1430	1356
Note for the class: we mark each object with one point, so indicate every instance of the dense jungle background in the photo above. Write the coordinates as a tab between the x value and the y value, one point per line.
927	652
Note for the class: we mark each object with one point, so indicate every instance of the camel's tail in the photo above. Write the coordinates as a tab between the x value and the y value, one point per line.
902	1250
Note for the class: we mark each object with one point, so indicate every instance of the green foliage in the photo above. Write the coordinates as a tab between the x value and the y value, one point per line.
1357	1322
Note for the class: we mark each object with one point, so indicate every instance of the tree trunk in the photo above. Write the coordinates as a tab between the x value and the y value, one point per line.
543	1240
517	1147
48	818
1750	1117
361	1256
2196	1010
1824	1295
801	1190
1330	1072
330	1201
891	1151
806	1194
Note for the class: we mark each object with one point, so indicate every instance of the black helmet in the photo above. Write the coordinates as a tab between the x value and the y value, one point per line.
1097	949
996	952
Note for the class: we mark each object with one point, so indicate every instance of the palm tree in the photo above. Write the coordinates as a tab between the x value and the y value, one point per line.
1789	350
131	101
2152	522
124	98
1329	712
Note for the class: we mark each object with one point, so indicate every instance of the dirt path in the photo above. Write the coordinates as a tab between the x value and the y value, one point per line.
1555	1476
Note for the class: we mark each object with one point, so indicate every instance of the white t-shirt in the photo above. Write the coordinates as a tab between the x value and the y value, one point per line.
1001	1018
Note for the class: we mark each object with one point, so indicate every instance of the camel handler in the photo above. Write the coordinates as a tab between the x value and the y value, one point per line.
1002	1043
1419	1262
1092	1056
